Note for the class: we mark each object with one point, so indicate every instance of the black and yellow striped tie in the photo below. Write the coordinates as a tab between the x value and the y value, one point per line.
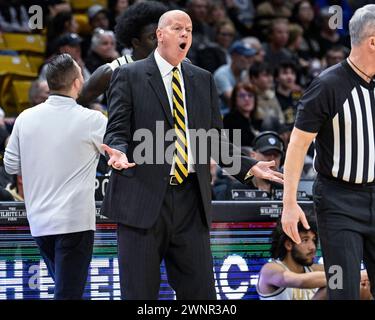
181	151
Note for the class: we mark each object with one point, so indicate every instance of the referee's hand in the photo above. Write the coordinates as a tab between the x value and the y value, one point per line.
291	215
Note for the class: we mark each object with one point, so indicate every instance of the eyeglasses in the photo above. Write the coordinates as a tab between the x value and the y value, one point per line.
245	95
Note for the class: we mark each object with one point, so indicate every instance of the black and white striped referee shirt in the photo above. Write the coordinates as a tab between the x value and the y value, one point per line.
340	106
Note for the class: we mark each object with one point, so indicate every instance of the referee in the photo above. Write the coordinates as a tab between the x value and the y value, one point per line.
338	111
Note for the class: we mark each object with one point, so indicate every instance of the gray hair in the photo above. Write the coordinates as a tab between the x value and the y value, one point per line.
34	88
97	36
362	24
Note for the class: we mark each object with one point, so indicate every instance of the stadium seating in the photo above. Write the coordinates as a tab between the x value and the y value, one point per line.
13	69
78	5
25	42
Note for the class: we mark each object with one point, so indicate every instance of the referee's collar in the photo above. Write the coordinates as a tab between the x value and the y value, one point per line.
363	82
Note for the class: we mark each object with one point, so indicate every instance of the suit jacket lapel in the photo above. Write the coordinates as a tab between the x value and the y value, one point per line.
189	94
157	84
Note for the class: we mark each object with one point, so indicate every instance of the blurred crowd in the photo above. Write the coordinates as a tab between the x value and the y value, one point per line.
263	55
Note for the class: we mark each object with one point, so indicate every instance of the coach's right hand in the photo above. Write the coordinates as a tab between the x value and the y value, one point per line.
117	159
292	214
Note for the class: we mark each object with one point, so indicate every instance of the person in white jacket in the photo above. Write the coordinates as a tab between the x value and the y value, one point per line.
55	146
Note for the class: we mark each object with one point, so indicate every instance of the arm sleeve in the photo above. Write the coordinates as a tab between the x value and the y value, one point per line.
120	109
313	108
12	157
233	157
98	130
96	85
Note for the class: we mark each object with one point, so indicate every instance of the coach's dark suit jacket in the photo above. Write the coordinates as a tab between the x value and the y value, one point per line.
137	99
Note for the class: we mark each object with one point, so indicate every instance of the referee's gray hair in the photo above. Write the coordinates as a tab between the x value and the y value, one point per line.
362	24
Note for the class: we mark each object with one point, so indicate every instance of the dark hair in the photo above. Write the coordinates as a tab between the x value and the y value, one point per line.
338	47
279	237
257	68
286	64
224	23
57	25
61	72
294	18
131	23
275	22
295	10
242	86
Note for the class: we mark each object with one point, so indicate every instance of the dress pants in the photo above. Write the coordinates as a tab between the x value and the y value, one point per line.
181	237
346	224
67	257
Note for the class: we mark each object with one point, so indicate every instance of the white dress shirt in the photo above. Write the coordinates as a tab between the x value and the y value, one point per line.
55	146
167	74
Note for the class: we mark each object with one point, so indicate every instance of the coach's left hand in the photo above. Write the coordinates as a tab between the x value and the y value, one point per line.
263	170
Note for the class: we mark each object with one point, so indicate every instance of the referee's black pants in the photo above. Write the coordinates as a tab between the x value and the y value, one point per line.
346	224
180	236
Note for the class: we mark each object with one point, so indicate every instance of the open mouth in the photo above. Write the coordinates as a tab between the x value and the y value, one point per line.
182	46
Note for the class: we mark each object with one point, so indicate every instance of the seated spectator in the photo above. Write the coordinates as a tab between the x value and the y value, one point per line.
115	9
217	13
68	43
203	34
216	54
267	146
275	49
38	92
268	106
268	11
293	46
241	117
228	75
287	91
335	55
13	16
303	14
102	50
254	43
242	14
98	18
292	274
63	23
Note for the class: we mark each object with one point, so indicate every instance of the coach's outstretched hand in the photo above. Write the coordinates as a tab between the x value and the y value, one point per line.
117	159
263	170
